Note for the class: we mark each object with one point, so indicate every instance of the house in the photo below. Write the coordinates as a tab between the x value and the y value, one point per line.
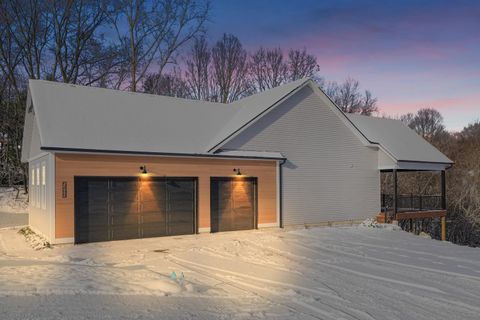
107	165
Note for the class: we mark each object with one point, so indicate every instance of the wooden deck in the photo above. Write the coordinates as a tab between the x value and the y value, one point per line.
420	214
383	217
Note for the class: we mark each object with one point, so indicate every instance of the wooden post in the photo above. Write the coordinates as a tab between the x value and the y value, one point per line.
444	207
444	228
444	196
395	190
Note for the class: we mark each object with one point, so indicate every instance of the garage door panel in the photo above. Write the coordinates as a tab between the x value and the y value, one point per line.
181	206
124	195
153	206
150	218
124	232
154	227
124	208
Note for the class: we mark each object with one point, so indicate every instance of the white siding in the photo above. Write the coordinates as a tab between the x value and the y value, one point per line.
41	206
35	143
329	175
384	161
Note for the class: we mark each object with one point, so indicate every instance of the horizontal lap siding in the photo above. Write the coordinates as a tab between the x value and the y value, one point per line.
329	175
70	165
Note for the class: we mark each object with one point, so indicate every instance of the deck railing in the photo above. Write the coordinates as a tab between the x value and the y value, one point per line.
412	202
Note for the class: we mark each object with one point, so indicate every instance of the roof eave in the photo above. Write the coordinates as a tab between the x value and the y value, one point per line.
164	154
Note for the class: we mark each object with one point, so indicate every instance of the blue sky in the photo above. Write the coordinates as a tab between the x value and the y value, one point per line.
411	54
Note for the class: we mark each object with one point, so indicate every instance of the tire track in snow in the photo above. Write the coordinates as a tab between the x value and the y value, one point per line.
310	307
339	250
458	304
271	265
358	273
292	286
228	280
388	250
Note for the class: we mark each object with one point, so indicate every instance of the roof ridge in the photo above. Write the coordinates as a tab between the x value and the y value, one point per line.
57	83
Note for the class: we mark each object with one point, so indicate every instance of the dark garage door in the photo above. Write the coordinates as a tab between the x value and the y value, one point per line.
116	208
233	204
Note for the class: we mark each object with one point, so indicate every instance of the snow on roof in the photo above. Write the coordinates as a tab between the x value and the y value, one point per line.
73	116
401	142
80	117
88	118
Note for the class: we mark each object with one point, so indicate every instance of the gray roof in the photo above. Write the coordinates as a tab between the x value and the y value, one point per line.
401	142
80	117
87	118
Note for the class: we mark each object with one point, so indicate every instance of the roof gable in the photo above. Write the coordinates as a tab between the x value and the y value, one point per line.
256	106
398	140
253	107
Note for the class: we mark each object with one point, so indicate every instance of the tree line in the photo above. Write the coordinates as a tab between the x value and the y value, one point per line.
225	72
154	46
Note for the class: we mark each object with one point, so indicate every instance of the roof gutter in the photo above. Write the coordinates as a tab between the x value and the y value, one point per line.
165	154
432	162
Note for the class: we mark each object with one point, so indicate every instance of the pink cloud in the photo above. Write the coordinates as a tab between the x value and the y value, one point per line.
469	102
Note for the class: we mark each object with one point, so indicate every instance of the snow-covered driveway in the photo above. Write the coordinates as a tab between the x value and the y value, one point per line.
318	273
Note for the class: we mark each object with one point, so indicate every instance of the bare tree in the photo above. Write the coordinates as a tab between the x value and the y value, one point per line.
268	68
11	53
426	122
369	103
348	97
230	70
155	30
29	23
301	64
77	44
166	84
12	104
197	72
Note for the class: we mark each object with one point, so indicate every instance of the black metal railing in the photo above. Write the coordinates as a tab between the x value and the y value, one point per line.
411	202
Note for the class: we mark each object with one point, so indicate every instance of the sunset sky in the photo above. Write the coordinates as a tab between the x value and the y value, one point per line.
410	54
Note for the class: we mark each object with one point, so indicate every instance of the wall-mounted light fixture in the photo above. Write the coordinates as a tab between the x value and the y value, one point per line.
237	170
143	170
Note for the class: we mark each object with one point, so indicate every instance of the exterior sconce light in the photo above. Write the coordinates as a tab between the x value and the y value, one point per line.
143	170
237	170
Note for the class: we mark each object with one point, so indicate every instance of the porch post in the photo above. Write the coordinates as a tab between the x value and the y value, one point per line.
444	207
444	199
395	186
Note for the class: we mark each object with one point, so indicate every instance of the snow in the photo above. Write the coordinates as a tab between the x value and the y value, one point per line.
365	272
10	203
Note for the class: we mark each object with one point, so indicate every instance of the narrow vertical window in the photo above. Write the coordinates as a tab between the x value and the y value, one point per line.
44	191
37	192
32	188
